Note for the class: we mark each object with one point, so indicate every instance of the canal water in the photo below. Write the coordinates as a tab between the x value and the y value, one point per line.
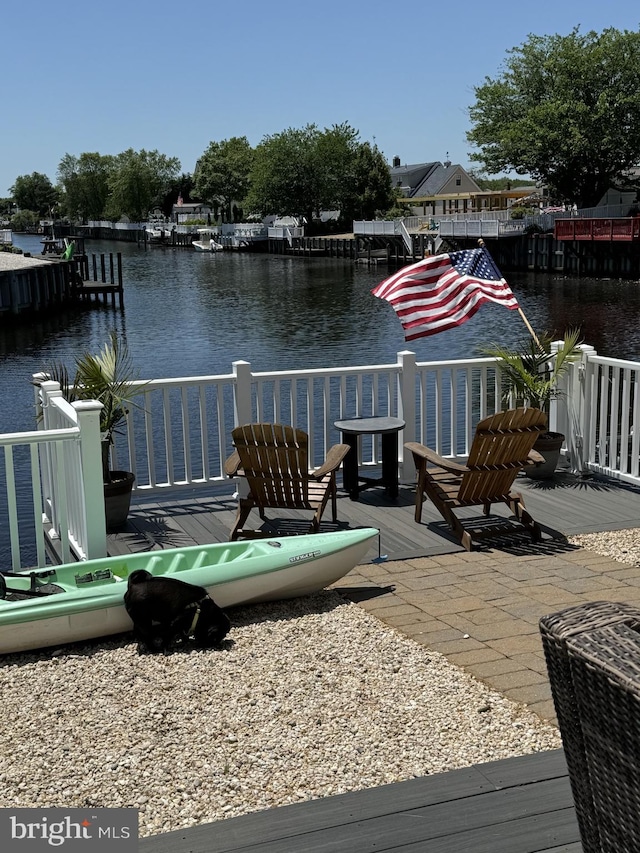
189	313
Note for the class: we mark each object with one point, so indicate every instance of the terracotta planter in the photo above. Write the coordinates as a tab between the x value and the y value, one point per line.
549	445
117	498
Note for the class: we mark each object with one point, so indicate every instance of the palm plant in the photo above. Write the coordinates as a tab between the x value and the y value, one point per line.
108	377
530	373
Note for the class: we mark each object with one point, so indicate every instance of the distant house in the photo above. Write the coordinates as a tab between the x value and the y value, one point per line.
408	178
438	189
625	192
184	211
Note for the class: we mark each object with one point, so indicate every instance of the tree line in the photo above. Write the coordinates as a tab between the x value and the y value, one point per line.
298	172
564	110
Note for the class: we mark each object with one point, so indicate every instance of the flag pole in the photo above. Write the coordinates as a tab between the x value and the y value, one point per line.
520	311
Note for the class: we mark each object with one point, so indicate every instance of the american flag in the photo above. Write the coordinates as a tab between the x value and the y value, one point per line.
444	291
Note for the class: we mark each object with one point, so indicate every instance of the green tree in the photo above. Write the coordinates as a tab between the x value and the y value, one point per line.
286	177
503	183
85	180
35	192
335	157
302	172
565	110
222	174
138	182
24	220
7	209
371	192
398	210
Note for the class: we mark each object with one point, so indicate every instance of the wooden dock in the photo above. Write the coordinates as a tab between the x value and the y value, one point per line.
518	805
31	285
98	279
43	283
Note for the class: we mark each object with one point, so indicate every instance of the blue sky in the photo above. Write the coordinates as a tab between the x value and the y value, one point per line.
172	76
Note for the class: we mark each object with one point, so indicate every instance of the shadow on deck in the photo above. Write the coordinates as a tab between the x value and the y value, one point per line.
564	506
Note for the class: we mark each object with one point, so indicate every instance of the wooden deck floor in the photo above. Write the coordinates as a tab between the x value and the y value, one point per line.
564	506
518	805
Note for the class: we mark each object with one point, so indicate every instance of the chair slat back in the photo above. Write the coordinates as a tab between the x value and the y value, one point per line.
500	449
274	458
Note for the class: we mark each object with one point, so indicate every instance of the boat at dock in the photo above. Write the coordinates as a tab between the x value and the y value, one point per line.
158	235
80	601
206	241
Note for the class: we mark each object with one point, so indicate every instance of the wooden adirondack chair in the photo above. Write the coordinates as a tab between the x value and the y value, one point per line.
502	446
274	460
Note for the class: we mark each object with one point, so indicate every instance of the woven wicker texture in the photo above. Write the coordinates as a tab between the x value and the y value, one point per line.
593	659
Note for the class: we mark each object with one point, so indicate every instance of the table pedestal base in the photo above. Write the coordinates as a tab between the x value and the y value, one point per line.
388	429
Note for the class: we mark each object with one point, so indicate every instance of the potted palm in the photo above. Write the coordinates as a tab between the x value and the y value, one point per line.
108	377
530	375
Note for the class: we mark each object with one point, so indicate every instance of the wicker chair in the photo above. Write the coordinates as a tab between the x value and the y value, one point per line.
502	446
593	659
273	458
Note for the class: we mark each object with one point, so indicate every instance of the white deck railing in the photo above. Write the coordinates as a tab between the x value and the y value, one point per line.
58	467
178	433
601	417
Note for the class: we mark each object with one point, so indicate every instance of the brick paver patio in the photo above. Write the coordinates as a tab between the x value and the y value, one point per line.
481	609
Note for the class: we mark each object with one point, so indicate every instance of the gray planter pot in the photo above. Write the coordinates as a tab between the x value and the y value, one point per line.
549	445
117	498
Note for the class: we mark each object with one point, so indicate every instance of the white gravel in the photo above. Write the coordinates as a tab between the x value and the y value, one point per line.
309	698
13	261
621	545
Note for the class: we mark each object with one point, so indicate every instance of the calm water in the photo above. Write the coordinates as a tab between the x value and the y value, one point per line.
189	313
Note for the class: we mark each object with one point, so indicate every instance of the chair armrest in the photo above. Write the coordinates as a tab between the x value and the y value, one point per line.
535	458
232	464
419	451
334	458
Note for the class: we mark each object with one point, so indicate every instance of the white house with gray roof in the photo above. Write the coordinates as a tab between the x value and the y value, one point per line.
435	188
443	189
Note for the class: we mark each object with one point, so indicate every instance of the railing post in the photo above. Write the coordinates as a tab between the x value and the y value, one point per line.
48	390
37	379
242	393
406	361
578	401
557	412
242	409
88	411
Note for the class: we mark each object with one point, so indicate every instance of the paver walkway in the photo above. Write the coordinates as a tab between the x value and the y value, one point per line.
481	609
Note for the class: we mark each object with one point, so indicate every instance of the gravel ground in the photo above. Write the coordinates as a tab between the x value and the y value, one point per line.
307	698
14	261
621	545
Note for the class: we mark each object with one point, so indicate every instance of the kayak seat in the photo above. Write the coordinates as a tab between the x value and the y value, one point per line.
35	590
274	460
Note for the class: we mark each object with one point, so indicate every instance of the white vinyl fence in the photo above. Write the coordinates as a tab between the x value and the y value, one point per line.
178	433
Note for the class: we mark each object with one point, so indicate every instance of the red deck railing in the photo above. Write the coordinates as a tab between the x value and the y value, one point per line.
627	229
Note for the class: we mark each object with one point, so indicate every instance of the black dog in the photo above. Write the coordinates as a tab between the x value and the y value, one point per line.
166	609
